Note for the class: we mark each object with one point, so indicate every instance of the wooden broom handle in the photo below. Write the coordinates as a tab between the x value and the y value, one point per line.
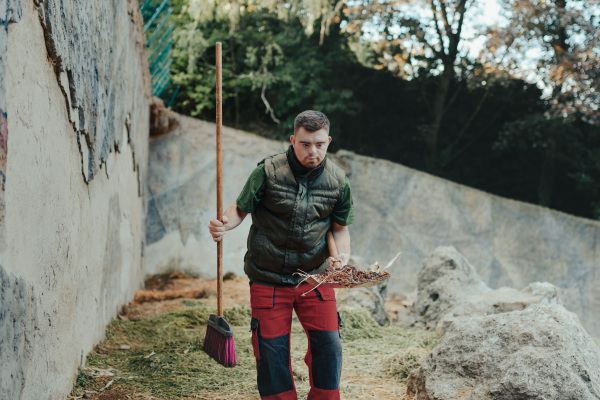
333	249
219	123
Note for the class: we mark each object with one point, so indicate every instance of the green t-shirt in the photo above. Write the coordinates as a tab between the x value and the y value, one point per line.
254	190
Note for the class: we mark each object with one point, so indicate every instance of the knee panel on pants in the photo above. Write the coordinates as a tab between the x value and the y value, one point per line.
326	359
272	362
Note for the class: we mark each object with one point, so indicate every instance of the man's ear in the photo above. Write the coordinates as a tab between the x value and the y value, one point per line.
329	139
292	139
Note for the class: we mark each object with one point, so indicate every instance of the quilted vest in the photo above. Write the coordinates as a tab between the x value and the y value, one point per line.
290	224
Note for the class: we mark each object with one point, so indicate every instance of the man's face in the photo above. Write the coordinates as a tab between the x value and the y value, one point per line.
310	147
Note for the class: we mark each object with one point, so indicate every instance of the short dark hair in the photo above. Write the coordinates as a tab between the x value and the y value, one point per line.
312	121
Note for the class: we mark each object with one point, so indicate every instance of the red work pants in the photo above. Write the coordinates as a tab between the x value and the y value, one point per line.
271	326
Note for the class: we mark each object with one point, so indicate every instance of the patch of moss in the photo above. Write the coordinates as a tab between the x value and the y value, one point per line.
84	379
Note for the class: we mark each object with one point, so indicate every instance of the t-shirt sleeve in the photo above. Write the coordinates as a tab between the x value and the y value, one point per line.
253	190
343	213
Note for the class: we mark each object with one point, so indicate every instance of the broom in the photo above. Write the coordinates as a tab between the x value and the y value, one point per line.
218	342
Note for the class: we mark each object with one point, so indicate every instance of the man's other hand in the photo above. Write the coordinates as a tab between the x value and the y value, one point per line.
217	228
342	258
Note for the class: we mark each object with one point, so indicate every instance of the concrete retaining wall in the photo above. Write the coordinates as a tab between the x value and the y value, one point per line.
397	209
76	98
510	243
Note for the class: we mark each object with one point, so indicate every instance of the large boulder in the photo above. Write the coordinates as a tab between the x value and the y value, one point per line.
542	352
162	119
372	299
449	288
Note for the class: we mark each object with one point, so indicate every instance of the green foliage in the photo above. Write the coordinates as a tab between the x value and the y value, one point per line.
563	158
268	64
495	131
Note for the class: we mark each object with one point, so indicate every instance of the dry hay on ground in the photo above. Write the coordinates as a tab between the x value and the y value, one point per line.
160	356
163	294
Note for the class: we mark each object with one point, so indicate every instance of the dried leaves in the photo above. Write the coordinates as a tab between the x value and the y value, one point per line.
346	276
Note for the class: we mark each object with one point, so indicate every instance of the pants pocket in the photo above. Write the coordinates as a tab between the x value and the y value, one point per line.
324	293
262	296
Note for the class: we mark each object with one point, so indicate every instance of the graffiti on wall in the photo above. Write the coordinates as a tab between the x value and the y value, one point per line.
10	12
3	120
3	146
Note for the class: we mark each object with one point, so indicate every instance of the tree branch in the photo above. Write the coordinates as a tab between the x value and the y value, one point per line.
269	109
476	137
472	116
447	25
453	98
462	10
419	34
437	29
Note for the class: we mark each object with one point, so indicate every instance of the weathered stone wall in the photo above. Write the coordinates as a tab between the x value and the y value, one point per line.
10	12
74	86
510	243
182	196
397	209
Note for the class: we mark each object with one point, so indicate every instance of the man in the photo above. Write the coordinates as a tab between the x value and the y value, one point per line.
295	198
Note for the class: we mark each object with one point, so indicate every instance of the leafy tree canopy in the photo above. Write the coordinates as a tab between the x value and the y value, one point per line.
399	81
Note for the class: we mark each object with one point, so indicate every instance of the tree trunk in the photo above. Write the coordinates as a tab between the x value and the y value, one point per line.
559	45
439	102
448	56
546	185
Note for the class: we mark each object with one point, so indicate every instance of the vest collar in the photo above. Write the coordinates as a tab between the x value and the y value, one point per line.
302	173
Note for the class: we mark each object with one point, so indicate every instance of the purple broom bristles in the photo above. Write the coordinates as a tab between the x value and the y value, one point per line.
219	345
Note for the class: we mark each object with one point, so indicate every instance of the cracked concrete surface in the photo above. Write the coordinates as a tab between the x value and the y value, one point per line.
74	230
95	63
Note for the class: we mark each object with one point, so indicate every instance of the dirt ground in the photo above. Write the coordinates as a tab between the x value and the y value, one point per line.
163	294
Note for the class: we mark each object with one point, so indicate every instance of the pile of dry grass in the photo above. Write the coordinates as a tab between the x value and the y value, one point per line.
161	357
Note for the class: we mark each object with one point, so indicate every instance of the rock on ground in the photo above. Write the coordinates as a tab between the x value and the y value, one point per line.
162	119
542	352
371	299
449	288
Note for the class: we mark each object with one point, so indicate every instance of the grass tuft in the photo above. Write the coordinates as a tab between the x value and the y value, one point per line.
238	315
401	363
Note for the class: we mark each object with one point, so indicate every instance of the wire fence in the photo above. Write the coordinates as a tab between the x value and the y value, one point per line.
159	43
